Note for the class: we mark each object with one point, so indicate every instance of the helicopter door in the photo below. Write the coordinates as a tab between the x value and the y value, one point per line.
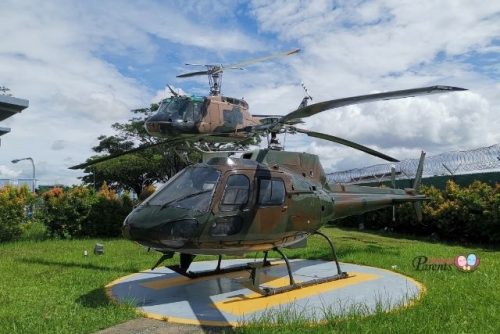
271	215
233	211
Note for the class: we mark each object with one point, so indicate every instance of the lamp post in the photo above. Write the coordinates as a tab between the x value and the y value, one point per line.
15	161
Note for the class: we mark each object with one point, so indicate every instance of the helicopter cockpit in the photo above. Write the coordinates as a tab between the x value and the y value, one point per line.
191	189
182	108
219	192
175	115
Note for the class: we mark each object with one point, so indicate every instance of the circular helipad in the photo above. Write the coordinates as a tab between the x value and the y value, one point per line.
229	300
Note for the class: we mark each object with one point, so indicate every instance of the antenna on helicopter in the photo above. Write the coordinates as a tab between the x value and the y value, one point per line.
306	98
214	72
174	93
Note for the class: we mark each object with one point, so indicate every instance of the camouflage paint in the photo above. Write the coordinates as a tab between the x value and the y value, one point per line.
309	203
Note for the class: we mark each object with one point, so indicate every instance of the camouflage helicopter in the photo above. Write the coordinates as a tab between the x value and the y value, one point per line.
183	119
267	199
218	118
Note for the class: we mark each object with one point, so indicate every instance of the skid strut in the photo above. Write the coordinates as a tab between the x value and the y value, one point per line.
186	260
266	291
180	269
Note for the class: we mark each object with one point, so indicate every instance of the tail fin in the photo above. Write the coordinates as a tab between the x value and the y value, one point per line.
393	183
420	170
416	185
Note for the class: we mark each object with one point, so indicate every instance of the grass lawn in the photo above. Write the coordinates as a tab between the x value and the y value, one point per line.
49	286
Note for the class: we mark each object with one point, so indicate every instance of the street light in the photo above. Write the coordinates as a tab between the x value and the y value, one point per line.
15	161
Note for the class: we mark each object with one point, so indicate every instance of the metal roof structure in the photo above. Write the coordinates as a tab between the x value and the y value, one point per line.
4	130
10	106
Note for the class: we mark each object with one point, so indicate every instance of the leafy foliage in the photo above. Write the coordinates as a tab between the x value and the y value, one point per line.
14	202
146	192
82	212
64	211
107	214
466	214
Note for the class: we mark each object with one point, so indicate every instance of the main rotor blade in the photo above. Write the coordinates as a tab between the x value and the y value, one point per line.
347	143
313	109
116	155
192	74
265	58
191	138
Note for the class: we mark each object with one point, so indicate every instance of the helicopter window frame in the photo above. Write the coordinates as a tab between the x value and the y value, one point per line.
171	192
261	201
235	203
197	110
188	115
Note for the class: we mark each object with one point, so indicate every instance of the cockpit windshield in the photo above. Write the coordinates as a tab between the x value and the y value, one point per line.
190	189
182	108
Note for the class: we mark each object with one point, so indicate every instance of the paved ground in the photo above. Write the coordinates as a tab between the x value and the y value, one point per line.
229	299
150	326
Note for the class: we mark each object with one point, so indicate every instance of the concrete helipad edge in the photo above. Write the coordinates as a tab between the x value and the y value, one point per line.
226	300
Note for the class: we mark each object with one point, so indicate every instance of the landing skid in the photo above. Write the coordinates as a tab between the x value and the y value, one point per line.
192	274
267	291
255	271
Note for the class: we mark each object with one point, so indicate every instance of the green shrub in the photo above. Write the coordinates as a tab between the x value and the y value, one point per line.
466	214
107	214
80	212
34	230
146	192
64	211
14	202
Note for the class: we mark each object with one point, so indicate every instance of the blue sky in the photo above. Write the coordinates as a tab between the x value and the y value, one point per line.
84	65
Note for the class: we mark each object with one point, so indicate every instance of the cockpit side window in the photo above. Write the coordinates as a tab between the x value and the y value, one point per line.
271	192
191	188
235	193
197	110
183	108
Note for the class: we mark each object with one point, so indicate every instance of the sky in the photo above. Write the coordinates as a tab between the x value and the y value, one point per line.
83	65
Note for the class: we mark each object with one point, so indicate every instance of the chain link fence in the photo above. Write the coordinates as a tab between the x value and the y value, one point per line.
450	163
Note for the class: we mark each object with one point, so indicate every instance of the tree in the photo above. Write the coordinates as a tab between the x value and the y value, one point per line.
137	170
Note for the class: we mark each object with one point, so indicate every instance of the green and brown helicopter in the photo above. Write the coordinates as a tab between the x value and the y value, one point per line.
263	200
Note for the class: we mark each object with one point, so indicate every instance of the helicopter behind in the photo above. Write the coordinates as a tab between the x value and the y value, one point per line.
190	115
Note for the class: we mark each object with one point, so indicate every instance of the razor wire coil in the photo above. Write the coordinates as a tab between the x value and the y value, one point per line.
449	163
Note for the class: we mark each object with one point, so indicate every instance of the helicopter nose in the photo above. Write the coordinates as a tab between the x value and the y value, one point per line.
160	125
172	233
129	229
126	229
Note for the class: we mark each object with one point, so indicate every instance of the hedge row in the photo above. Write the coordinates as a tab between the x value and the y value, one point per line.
80	212
75	212
465	214
14	210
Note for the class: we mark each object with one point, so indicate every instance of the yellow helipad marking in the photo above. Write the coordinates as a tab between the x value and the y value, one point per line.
236	304
182	280
252	302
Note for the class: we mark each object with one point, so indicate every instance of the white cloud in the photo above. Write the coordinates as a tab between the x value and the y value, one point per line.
8	173
353	49
62	57
55	55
